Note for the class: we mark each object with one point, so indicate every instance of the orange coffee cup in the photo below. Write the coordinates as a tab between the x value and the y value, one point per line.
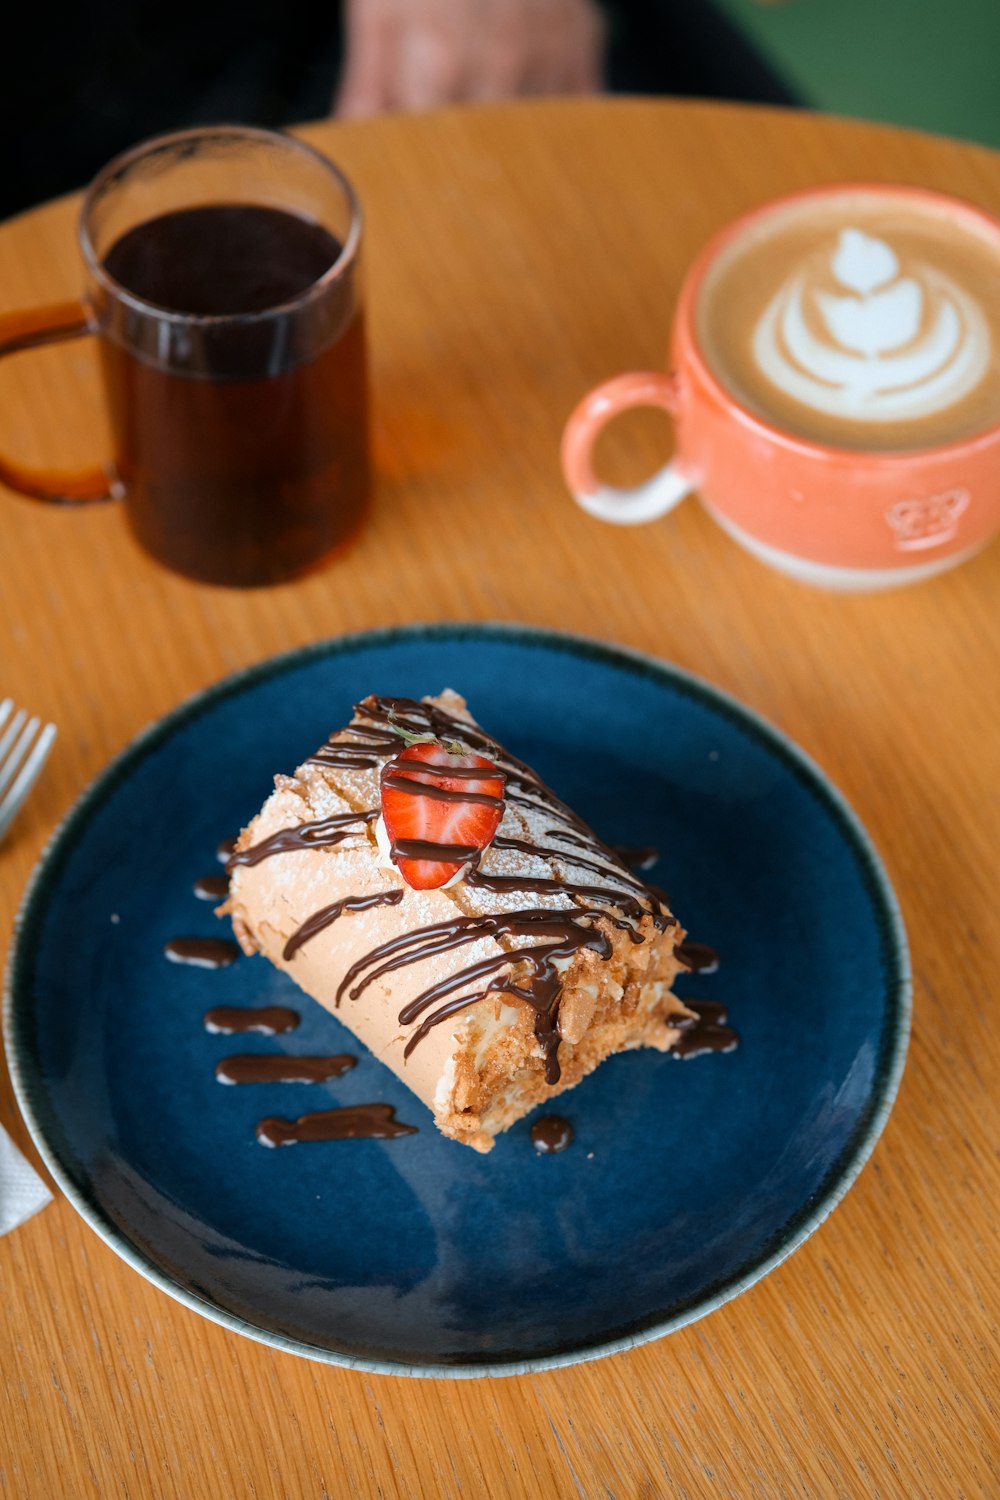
831	512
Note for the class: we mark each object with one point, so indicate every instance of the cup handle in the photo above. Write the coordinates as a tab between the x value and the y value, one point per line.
623	507
29	330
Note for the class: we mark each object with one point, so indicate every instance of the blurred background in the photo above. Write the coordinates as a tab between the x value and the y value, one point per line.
90	80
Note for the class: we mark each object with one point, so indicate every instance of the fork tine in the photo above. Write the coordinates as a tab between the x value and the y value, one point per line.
12	731
9	767
5	708
26	777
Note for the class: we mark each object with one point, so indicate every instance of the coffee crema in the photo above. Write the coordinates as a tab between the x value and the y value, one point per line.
859	319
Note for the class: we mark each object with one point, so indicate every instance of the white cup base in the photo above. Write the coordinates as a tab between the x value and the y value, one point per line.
826	576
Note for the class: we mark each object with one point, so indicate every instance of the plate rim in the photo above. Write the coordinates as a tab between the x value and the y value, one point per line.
29	1090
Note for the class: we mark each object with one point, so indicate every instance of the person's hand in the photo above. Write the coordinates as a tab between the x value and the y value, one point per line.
413	54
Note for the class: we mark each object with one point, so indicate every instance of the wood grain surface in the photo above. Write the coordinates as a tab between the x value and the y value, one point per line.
515	256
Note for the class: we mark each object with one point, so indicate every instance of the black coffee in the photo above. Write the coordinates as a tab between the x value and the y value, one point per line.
242	445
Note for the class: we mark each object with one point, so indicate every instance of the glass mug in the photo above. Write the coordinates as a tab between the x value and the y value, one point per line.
223	286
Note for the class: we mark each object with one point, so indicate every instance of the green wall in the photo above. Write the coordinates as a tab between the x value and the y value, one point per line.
930	64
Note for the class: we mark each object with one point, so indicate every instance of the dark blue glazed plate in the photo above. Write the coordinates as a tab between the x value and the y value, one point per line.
687	1180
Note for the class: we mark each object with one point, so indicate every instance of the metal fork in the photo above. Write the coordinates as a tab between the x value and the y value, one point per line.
24	746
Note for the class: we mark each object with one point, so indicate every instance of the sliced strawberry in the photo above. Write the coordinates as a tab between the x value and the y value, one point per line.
441	806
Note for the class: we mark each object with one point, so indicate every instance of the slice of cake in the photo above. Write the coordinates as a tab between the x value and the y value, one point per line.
470	929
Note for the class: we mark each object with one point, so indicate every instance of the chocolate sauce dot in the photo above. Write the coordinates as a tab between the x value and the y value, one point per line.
204	953
355	1122
265	1067
705	1031
642	858
234	1020
211	887
697	958
551	1133
225	850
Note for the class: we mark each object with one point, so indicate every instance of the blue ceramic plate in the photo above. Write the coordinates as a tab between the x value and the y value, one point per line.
687	1180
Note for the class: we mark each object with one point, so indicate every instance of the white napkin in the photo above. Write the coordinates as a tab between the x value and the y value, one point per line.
22	1191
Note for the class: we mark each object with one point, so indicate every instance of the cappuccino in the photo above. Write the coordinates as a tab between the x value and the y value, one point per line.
862	319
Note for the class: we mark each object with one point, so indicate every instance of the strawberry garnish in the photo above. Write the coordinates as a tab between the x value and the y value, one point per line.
441	806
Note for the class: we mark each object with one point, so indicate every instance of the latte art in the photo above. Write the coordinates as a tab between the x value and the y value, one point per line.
864	320
884	345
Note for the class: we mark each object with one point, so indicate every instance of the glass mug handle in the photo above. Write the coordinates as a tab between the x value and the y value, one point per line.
624	507
29	330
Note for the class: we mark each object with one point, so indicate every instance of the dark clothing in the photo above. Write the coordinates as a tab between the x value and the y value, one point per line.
686	47
108	73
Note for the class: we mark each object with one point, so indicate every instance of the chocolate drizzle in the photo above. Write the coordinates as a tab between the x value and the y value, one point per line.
529	974
543	852
328	914
705	1032
374	1122
266	1067
366	748
442	854
324	834
424	787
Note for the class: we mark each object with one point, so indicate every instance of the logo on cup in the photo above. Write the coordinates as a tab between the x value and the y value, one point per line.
927	522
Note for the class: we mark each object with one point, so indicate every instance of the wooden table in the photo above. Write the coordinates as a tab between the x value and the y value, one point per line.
516	255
